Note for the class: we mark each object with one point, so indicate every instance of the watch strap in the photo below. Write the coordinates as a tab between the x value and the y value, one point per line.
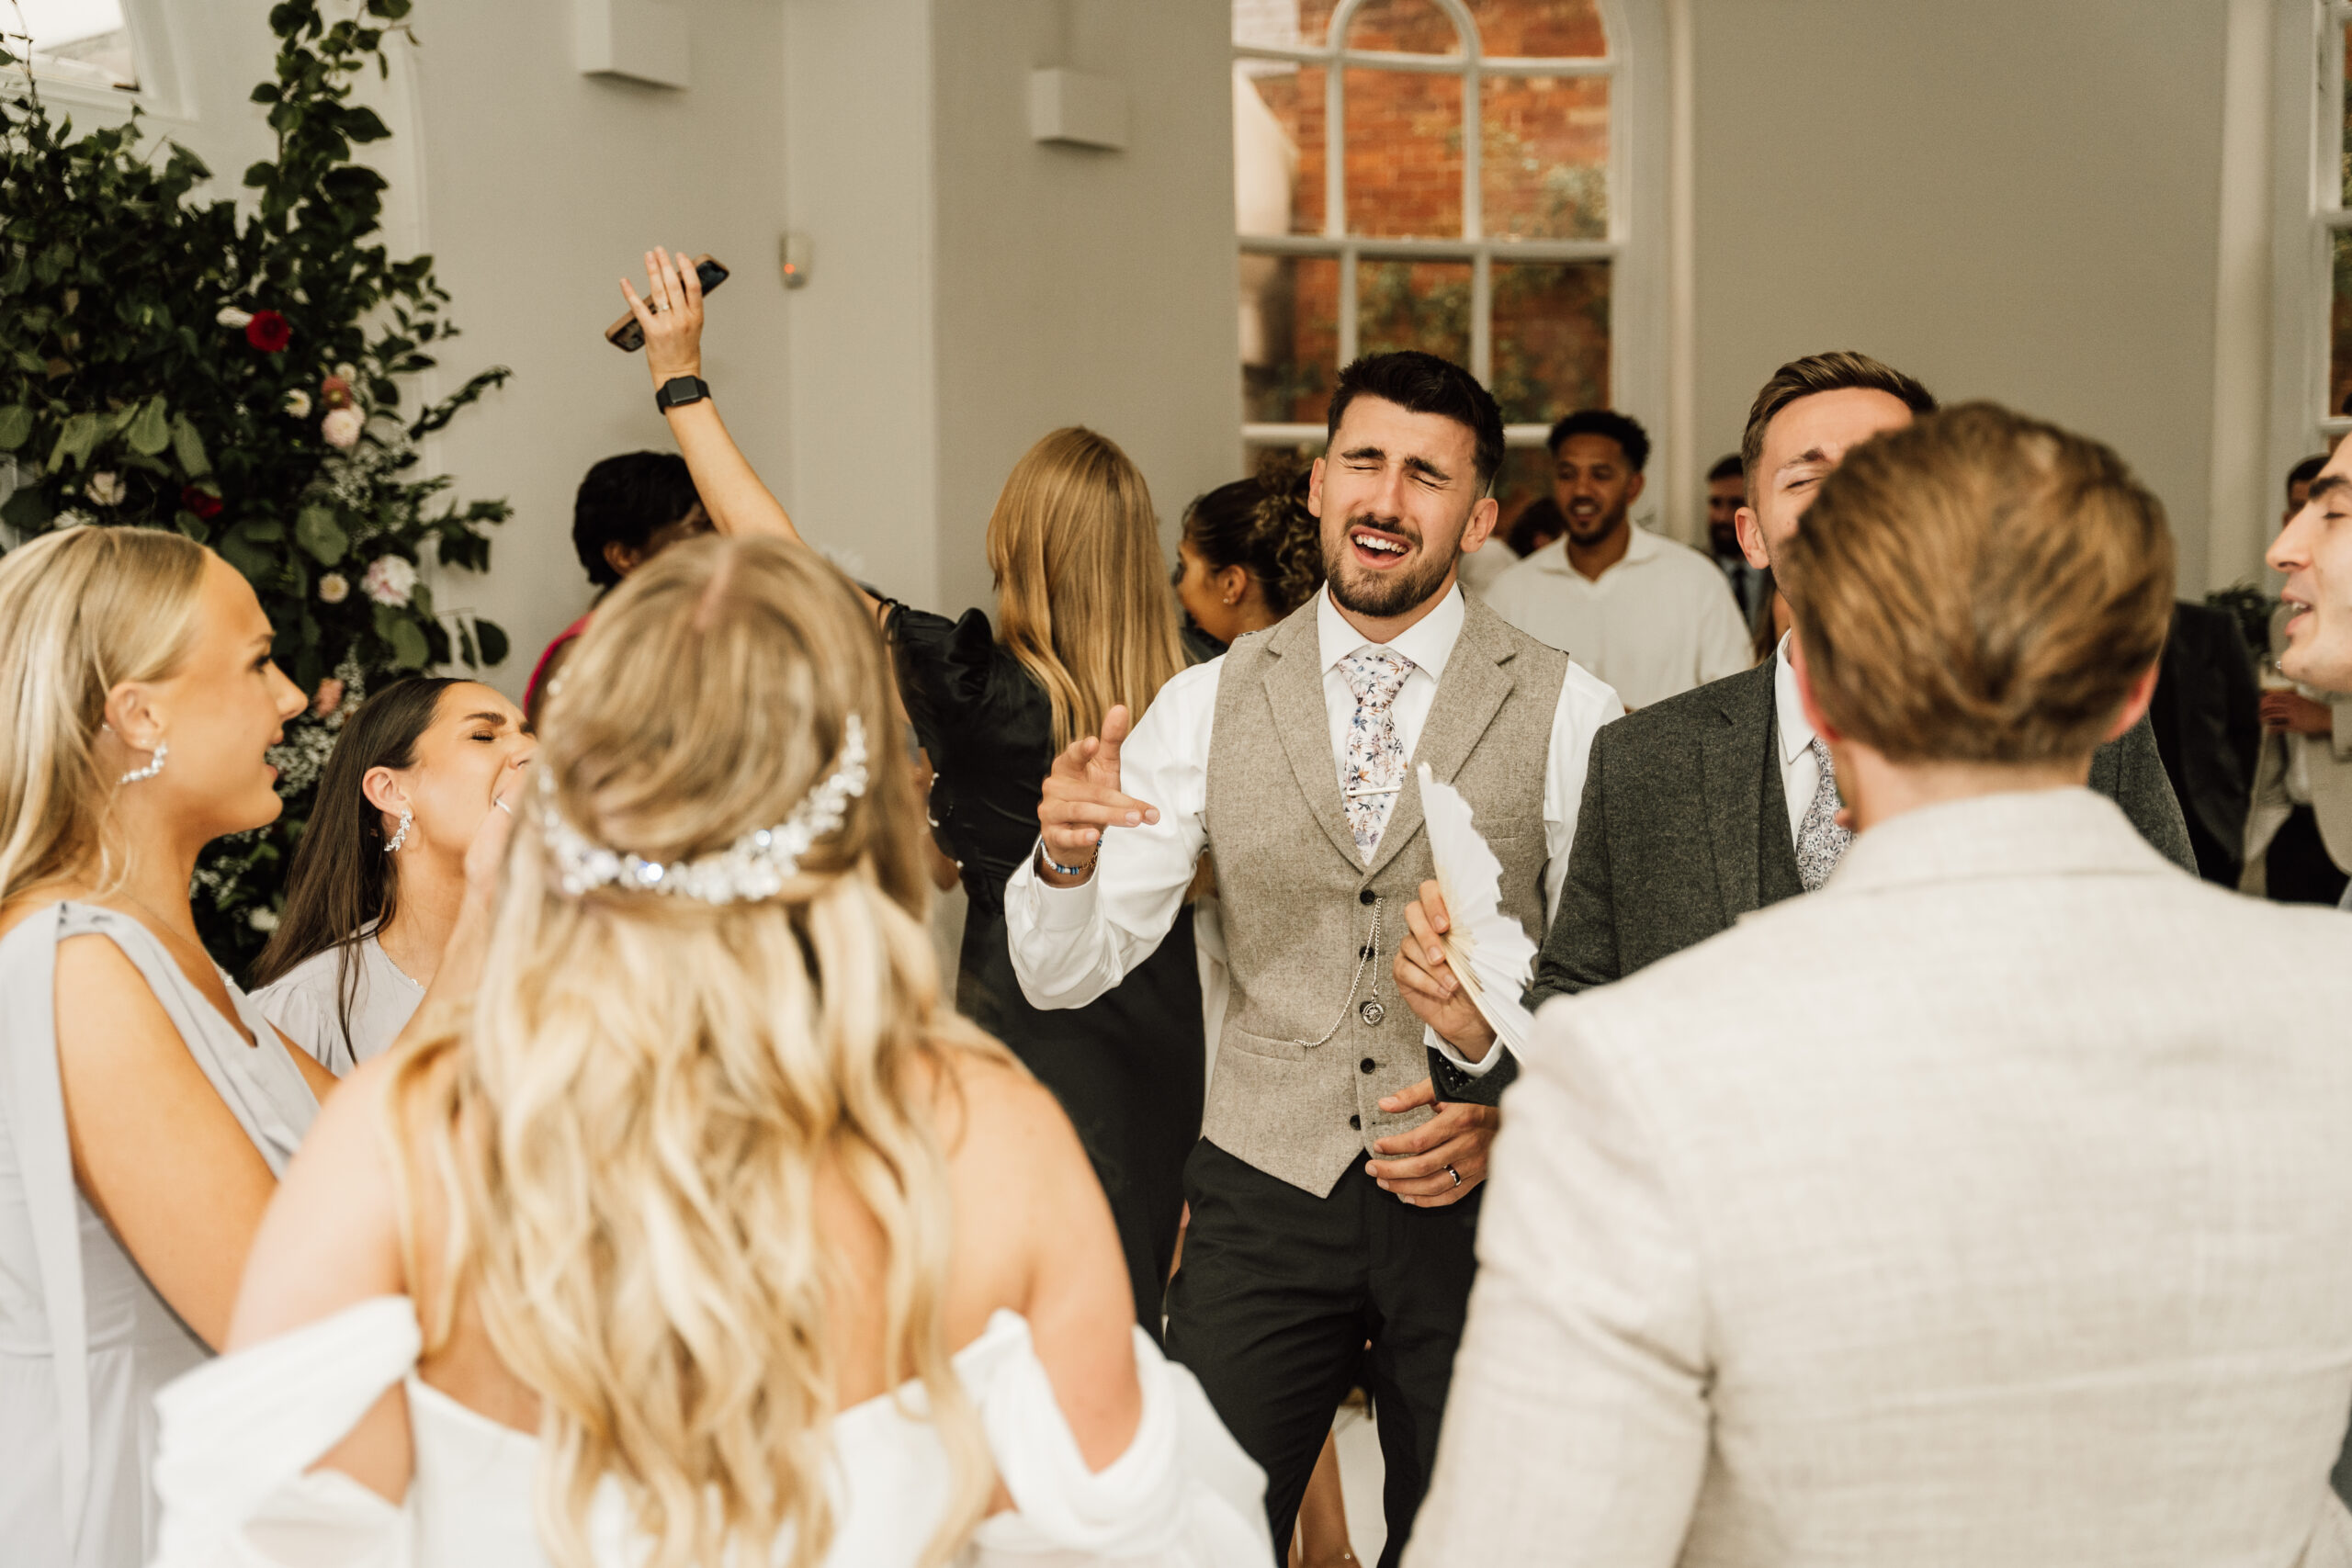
679	390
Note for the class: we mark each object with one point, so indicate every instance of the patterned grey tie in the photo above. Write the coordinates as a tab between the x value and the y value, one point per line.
1819	839
1375	759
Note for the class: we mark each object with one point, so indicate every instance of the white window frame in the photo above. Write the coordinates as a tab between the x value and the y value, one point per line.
162	92
1634	65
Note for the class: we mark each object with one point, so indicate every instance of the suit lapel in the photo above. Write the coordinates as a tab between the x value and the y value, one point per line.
1733	759
1468	696
1294	685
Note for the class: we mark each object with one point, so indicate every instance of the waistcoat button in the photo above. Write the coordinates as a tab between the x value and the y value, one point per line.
1356	1123
1366	1065
1372	1012
1365	897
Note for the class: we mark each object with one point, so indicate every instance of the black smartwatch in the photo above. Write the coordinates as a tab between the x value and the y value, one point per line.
680	391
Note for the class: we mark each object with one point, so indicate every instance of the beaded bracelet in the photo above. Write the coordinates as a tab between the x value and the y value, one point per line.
1050	863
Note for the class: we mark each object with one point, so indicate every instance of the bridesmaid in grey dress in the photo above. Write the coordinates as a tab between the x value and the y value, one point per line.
146	1107
379	879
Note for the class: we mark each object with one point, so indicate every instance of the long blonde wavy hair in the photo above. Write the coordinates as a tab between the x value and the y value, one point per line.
81	612
633	1115
1082	594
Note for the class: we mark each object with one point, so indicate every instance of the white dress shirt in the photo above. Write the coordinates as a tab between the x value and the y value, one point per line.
1659	622
1071	945
1799	770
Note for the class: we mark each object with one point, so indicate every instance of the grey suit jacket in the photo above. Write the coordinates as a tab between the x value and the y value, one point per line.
1684	828
1976	1210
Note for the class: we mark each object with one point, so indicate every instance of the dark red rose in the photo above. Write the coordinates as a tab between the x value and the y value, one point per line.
203	502
268	331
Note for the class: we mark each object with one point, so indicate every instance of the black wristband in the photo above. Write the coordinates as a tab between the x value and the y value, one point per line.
680	391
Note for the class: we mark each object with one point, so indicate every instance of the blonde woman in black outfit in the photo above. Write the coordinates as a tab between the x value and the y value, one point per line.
1084	623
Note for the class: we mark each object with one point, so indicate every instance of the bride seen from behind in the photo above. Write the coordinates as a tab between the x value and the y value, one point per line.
704	1185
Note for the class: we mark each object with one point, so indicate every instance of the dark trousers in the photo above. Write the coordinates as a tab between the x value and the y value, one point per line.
1279	1290
2297	867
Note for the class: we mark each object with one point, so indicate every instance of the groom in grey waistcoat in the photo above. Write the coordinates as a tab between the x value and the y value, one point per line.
1334	1192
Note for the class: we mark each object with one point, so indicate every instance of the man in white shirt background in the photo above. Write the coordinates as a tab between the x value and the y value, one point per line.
1334	1194
1649	616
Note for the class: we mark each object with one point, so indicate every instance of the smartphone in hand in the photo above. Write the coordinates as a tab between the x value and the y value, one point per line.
629	337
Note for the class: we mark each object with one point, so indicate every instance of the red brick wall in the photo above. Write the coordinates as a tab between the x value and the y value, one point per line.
1543	148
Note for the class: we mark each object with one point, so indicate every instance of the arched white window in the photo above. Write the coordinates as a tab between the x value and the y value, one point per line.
1465	176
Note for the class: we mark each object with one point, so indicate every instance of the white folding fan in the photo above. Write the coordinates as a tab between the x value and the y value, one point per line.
1486	949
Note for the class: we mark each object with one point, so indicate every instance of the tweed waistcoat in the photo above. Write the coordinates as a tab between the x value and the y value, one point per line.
1305	1058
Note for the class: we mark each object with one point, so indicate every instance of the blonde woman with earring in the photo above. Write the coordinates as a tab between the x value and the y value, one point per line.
379	881
146	1106
1084	623
707	1232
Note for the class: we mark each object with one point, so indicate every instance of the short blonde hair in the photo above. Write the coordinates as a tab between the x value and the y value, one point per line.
1980	587
81	612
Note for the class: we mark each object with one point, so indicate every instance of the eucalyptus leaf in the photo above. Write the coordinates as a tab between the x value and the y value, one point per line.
409	651
150	434
254	561
26	510
316	531
187	445
79	434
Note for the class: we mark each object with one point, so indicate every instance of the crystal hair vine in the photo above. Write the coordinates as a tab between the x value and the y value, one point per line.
755	866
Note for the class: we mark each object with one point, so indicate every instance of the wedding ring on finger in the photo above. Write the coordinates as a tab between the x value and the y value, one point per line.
1456	1174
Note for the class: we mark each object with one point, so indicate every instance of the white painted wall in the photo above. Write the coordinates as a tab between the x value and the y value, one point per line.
1080	287
542	186
2010	199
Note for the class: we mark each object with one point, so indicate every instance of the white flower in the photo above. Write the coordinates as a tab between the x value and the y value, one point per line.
234	319
347	370
335	588
264	918
298	403
388	580
105	488
340	426
65	520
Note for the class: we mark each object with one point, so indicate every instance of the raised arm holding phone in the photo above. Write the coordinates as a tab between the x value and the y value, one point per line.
1084	635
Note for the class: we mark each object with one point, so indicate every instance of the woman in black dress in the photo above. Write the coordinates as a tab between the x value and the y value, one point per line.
1084	622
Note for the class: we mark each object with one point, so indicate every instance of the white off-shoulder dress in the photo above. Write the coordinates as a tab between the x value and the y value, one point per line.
84	1340
239	1433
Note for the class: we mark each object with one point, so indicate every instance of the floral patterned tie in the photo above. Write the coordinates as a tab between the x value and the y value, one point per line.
1820	841
1375	771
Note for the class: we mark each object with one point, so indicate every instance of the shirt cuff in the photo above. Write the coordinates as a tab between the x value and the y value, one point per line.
1063	910
1461	1064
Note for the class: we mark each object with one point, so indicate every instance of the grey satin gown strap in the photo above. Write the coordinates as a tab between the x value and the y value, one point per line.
274	1109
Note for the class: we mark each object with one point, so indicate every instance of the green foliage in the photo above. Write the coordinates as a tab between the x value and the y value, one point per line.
168	359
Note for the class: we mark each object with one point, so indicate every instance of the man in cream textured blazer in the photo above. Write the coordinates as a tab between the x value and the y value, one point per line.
1979	1209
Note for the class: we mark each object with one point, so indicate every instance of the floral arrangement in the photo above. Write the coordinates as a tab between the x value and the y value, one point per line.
167	360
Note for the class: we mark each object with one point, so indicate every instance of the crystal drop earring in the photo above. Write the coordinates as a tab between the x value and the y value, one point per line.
400	834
